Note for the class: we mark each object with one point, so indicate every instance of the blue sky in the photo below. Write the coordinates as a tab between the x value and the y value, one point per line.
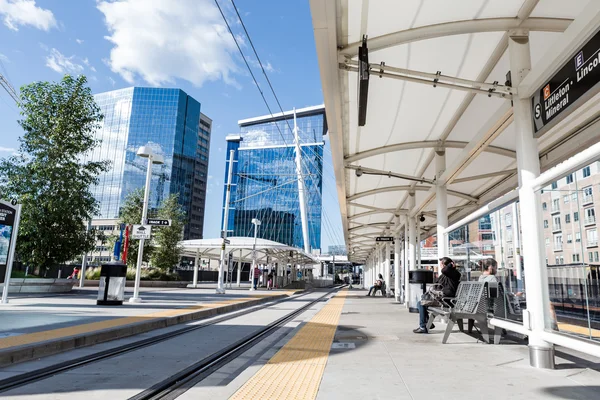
170	43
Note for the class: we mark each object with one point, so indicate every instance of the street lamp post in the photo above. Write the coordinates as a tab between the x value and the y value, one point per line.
145	152
256	223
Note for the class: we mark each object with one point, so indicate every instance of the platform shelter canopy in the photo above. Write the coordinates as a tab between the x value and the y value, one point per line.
438	83
267	251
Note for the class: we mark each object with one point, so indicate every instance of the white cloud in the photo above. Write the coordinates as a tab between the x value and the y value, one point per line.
4	58
79	41
62	64
25	12
7	150
112	81
165	40
87	64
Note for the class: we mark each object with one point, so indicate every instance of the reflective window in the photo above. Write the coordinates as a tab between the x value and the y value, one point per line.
165	119
266	183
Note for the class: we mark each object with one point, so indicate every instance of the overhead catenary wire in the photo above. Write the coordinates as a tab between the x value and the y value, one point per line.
327	224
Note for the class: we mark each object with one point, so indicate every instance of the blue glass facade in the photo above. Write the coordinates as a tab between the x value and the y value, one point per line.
265	184
168	120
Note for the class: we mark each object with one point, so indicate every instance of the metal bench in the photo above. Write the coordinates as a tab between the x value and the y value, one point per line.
471	303
382	288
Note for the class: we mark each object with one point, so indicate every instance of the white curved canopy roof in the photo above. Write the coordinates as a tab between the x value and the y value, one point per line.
408	120
274	251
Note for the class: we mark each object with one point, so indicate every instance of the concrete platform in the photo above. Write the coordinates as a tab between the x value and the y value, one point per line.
375	355
37	326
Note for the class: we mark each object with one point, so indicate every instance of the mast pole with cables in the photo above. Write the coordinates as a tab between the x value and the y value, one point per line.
301	189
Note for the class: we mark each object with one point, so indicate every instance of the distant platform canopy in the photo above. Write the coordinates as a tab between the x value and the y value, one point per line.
267	251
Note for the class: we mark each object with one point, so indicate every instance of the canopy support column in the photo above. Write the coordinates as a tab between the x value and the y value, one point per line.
412	259
196	266
406	261
541	353
441	199
388	262
397	267
239	270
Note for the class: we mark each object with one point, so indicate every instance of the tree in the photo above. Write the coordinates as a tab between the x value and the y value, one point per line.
167	238
50	175
131	213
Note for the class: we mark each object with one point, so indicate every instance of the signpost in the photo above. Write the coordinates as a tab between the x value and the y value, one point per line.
158	222
9	230
384	239
141	232
576	82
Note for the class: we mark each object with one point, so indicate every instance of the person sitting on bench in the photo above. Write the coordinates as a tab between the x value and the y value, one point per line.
490	266
377	286
449	280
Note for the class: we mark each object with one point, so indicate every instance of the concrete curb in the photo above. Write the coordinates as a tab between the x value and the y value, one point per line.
18	354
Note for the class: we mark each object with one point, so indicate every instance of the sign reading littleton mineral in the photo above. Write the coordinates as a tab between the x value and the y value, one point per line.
572	84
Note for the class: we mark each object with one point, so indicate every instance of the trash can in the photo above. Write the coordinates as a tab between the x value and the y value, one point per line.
111	290
418	280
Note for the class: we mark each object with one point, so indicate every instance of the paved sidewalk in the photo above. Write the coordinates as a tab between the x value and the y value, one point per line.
43	323
375	355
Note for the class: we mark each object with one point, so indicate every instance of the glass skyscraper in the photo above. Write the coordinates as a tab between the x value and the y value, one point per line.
265	184
171	123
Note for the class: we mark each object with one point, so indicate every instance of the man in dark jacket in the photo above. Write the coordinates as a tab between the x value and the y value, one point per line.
449	279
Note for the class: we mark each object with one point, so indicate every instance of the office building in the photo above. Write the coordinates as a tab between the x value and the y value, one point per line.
171	123
265	182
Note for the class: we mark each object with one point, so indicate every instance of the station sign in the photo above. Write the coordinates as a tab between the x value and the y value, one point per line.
384	239
141	232
158	222
576	82
9	225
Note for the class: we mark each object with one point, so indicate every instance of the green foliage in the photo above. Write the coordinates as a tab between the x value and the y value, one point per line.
50	176
131	213
168	251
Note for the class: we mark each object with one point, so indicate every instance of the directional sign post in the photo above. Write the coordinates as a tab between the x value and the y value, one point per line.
141	232
384	239
158	222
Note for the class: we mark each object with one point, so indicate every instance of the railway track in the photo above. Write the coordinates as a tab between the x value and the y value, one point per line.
180	382
28	378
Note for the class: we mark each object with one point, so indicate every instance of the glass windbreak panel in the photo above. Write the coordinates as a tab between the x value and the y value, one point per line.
489	250
572	262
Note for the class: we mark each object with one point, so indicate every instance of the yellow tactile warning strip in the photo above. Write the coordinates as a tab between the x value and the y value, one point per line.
296	370
580	330
30	338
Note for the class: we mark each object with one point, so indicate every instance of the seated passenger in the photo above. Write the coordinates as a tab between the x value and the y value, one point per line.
490	266
376	286
449	281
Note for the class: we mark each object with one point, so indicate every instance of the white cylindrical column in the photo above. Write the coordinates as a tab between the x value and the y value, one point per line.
541	353
388	262
196	266
239	270
412	256
397	268
418	241
406	260
441	202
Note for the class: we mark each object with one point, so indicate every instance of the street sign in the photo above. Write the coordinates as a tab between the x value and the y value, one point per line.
159	222
226	241
384	239
141	232
576	82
